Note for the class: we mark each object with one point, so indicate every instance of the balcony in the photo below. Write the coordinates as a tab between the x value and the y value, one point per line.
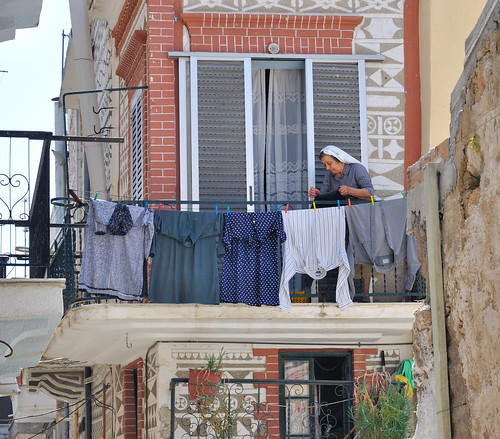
122	330
30	304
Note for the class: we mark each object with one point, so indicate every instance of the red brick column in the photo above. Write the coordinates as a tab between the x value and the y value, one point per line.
359	361
164	35
413	108
133	421
272	410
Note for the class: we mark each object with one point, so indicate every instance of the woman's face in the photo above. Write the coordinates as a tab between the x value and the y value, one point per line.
332	165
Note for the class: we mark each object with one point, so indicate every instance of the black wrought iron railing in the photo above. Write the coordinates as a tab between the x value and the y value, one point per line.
266	409
24	209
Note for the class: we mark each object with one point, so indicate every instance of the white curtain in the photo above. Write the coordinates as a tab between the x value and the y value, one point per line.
280	158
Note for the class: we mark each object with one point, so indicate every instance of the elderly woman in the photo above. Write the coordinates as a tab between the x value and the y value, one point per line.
346	177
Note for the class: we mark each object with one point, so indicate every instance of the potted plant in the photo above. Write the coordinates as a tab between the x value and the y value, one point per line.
212	399
382	414
204	381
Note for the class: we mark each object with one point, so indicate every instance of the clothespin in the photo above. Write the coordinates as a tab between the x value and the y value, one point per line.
311	409
404	195
314	205
298	409
216	210
338	204
349	202
286	210
146	207
159	207
276	208
371	197
227	209
95	198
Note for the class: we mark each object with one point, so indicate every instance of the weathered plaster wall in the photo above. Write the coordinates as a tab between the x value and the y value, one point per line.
470	245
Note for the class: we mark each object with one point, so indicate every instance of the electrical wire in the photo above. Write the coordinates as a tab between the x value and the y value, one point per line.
55	410
57	422
102	404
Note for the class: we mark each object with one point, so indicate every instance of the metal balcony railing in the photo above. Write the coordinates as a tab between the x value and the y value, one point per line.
26	249
369	285
267	409
24	207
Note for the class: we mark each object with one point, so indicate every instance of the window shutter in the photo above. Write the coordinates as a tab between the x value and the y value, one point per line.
221	130
336	110
136	147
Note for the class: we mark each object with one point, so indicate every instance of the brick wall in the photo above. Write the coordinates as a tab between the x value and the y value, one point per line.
209	32
218	33
164	34
133	420
247	33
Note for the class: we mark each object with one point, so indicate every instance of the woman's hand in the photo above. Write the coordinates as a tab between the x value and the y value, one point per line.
313	192
345	190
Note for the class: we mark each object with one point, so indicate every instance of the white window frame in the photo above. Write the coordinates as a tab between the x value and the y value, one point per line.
193	57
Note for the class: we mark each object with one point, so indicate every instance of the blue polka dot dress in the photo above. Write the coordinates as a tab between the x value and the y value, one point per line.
251	272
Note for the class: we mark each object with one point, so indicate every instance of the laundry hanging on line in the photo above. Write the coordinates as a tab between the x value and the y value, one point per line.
117	243
251	272
185	250
377	238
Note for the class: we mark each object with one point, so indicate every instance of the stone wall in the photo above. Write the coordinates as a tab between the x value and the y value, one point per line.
469	194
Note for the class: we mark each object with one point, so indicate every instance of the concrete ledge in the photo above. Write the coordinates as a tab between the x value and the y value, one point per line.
119	333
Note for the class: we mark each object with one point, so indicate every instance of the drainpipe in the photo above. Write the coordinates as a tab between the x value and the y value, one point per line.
88	402
437	300
86	81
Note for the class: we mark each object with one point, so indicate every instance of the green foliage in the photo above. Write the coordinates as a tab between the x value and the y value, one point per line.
474	144
214	364
383	416
216	409
217	414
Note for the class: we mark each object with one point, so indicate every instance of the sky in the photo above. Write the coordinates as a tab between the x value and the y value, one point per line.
33	61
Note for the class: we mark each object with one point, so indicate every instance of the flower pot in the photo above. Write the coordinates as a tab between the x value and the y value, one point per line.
202	383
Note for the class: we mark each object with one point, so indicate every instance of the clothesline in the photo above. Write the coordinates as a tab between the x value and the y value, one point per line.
279	205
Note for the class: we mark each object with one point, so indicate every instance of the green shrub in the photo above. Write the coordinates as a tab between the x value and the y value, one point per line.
385	414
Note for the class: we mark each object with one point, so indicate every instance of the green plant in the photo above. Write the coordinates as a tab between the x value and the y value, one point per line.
214	364
216	413
474	144
217	410
385	414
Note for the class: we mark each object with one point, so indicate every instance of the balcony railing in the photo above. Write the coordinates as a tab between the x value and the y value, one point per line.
369	285
26	250
269	409
24	207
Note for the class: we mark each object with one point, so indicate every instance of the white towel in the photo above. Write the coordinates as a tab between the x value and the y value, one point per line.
315	244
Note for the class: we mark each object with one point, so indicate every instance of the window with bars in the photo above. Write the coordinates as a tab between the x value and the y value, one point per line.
136	130
319	409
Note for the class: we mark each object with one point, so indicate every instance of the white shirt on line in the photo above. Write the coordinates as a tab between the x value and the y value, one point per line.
315	244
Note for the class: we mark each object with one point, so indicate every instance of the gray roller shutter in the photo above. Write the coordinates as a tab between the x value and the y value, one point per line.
221	131
336	110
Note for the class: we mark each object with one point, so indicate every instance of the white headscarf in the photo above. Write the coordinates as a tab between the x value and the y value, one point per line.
339	154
